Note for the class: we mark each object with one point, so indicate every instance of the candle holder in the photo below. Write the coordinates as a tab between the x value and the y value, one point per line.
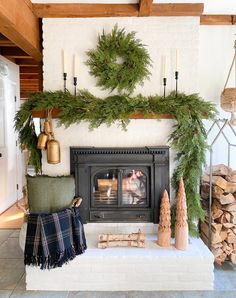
75	85
65	79
176	82
164	85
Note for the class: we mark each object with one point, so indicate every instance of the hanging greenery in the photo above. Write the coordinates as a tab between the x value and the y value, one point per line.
188	137
120	61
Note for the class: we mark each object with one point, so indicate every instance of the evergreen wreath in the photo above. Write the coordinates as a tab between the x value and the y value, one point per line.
104	64
188	137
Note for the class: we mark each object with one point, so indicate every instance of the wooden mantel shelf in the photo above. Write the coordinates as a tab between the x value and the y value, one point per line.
56	112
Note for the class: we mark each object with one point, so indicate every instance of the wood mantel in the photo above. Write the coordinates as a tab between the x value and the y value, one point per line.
56	112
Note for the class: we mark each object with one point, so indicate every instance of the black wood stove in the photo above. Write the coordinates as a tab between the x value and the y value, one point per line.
120	184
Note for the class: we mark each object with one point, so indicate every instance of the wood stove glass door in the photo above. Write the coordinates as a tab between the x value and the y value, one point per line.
134	187
105	187
123	187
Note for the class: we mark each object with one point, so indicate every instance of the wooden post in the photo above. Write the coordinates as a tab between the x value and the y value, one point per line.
181	225
164	230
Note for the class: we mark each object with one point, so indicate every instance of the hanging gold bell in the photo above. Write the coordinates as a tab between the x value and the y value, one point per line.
47	127
42	141
53	152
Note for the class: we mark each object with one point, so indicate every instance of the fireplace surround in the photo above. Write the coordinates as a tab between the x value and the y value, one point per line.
120	184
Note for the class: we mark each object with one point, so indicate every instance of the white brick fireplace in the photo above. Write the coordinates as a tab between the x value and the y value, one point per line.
152	268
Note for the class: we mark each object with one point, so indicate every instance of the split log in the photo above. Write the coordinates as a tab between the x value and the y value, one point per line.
223	235
230	187
232	257
217	252
219	260
215	226
216	212
232	177
229	207
227	199
217	245
219	170
216	180
124	243
215	235
232	217
228	225
217	192
227	248
231	237
121	237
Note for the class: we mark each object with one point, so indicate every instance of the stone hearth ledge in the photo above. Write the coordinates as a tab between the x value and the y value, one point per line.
129	269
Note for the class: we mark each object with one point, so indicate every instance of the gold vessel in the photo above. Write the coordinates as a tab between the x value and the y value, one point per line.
53	152
47	127
42	141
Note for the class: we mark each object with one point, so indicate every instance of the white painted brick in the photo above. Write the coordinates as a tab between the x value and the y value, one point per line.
123	269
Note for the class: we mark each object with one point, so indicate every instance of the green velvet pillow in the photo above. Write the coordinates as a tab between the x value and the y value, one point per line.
50	194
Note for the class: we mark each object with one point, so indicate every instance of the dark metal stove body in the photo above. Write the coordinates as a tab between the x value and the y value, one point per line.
120	184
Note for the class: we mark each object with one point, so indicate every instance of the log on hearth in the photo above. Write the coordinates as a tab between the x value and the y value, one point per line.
223	212
121	240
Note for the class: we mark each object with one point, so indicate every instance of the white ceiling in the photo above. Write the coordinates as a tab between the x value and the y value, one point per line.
210	6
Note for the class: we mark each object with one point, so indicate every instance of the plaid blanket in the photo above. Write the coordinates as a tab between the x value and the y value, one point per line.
53	239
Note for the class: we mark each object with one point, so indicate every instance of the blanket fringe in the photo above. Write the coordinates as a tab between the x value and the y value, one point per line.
54	260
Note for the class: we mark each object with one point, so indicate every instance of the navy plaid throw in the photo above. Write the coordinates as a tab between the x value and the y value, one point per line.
53	239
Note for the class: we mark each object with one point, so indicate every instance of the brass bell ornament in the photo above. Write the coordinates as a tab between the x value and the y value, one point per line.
42	141
53	152
47	127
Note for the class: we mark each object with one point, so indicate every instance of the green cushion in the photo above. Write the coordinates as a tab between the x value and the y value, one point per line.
50	194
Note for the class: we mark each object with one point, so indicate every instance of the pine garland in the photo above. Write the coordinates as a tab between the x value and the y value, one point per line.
188	137
121	76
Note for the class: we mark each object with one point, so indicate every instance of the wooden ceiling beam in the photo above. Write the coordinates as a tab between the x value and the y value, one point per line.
13	52
177	9
82	10
218	20
5	42
145	8
19	24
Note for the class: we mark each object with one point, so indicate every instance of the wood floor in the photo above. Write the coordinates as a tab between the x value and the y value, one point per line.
13	217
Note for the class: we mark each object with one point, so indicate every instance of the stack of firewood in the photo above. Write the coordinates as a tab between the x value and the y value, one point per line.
121	240
223	214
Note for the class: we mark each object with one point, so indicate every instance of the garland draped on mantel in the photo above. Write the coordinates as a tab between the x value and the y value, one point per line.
188	137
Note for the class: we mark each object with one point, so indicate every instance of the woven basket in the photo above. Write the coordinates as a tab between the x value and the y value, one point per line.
228	100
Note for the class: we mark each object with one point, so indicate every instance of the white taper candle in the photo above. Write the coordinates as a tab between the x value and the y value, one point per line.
176	59
65	65
164	66
75	66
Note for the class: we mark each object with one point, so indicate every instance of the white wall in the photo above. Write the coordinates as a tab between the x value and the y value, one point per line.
161	35
216	50
11	161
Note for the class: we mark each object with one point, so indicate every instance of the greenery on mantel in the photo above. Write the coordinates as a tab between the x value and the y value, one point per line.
188	137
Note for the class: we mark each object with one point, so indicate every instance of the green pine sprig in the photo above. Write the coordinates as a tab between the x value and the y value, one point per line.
110	74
